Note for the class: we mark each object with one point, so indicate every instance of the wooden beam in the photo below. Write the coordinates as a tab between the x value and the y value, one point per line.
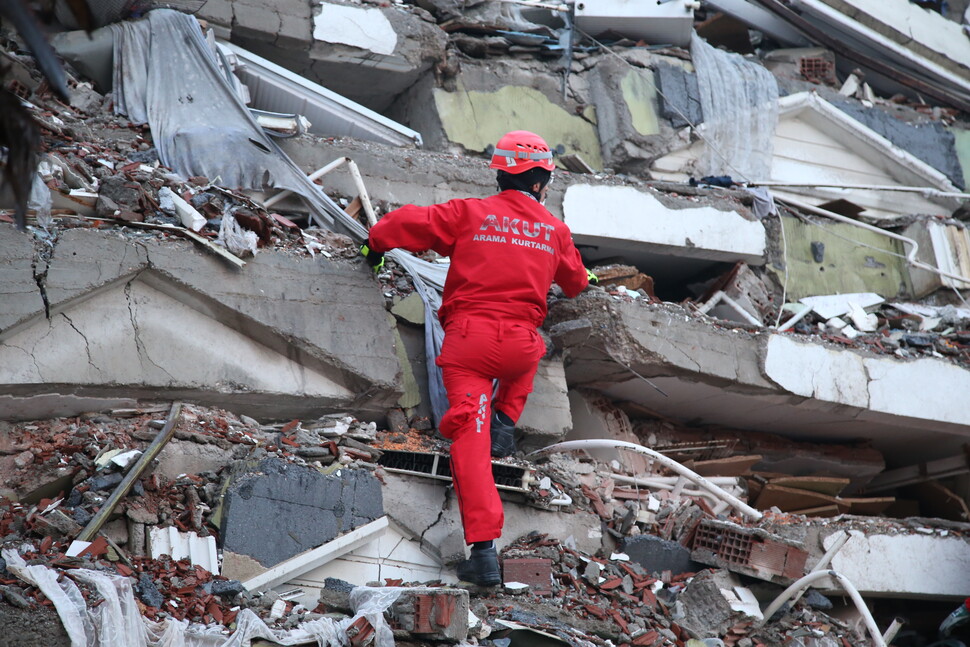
133	474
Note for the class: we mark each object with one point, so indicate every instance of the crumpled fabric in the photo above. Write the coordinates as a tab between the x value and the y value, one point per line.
764	202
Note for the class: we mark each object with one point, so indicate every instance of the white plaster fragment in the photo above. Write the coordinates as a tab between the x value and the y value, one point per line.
626	214
813	371
891	389
911	564
364	28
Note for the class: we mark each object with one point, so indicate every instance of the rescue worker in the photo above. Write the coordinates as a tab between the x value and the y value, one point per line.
505	251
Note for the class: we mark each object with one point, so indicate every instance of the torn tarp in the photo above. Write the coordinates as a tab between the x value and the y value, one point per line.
167	76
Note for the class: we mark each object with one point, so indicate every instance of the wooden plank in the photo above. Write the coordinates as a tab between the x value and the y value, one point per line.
936	500
789	499
820	511
865	506
133	475
316	557
730	466
829	485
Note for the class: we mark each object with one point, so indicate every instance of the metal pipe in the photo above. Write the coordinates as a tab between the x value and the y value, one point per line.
719	297
572	445
910	257
665	481
316	175
847	586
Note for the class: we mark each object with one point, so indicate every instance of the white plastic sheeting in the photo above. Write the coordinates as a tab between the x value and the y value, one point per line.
117	622
166	75
740	103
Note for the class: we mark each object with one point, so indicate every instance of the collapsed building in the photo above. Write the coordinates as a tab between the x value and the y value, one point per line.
218	425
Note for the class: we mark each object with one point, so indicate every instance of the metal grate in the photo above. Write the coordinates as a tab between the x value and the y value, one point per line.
437	466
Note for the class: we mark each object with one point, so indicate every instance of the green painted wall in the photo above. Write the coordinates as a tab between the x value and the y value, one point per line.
476	119
962	142
641	99
847	266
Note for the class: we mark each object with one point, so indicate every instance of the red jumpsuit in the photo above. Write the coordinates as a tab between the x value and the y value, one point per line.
505	253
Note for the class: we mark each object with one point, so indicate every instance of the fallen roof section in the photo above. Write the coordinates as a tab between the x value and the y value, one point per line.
815	142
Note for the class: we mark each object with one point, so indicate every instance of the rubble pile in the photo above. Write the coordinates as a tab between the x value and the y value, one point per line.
61	471
623	603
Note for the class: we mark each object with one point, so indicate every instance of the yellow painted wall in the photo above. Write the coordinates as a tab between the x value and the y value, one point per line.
476	119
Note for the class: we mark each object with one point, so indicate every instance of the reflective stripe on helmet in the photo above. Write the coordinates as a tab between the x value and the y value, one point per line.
526	155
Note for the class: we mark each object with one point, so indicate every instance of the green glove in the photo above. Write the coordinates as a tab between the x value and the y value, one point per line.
374	259
959	616
593	279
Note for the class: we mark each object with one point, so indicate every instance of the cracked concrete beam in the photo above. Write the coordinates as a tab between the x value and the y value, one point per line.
23	299
286	336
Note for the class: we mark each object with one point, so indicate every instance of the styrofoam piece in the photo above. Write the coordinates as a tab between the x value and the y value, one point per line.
836	305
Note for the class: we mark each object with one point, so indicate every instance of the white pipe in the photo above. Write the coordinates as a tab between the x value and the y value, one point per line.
826	559
910	257
362	192
720	296
664	481
922	190
894	628
794	320
565	499
847	586
572	445
316	175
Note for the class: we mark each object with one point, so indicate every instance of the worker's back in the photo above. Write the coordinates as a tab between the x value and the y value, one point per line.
505	252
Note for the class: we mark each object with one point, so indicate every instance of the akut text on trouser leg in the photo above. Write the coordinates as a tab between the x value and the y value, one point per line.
476	352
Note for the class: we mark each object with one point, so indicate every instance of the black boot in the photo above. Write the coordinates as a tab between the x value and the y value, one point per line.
503	435
481	568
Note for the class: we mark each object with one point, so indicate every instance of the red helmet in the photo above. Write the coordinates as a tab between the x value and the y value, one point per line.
519	151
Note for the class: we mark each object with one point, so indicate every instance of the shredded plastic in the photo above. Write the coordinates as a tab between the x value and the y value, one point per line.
371	603
65	595
117	622
237	240
740	103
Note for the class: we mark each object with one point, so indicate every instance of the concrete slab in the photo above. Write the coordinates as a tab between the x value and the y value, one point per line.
609	221
24	297
760	381
427	509
279	509
930	564
367	54
164	317
371	55
546	418
472	106
923	31
627	114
